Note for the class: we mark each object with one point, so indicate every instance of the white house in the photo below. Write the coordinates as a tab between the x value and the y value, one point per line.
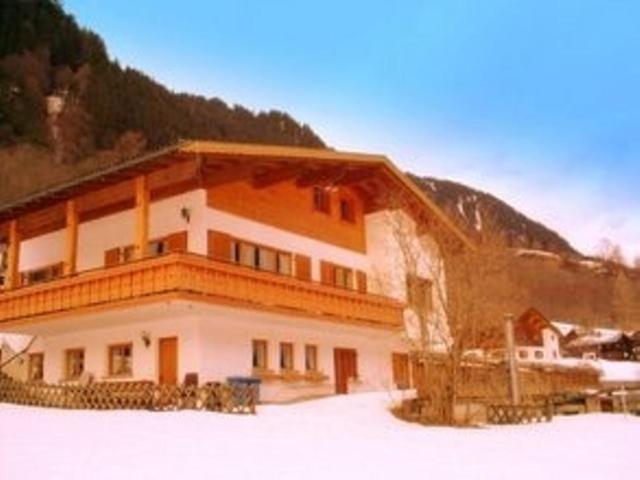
218	260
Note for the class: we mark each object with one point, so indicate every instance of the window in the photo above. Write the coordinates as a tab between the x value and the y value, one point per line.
343	277
156	247
247	254
74	364
267	259
36	366
311	358
419	293
321	200
43	274
284	263
538	354
260	257
259	356
347	211
523	354
286	356
120	359
336	275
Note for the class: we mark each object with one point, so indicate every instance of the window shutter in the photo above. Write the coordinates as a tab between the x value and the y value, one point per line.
327	273
303	267
112	257
361	281
177	242
219	245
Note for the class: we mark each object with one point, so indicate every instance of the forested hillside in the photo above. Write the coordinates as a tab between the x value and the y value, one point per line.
102	106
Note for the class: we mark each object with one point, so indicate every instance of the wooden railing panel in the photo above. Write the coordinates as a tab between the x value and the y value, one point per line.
186	273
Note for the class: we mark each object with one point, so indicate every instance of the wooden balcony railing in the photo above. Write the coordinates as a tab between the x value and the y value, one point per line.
194	276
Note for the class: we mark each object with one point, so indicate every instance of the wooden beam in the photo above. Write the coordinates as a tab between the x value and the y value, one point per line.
141	234
323	176
275	176
219	176
71	245
12	279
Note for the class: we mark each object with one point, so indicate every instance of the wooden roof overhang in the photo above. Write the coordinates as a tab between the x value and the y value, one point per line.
193	164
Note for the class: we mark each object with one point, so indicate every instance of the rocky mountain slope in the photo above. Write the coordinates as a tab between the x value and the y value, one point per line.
474	209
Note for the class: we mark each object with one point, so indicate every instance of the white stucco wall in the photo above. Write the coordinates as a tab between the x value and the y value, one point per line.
284	240
215	342
97	236
42	251
548	352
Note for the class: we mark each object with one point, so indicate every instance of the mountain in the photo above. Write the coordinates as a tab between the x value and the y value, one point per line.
474	210
60	89
67	109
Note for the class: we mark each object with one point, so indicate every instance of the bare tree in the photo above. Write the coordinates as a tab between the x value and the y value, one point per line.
457	296
610	252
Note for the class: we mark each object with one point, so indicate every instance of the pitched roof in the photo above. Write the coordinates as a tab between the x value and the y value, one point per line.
237	151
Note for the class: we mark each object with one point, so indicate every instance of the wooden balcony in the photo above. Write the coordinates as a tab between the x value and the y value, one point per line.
197	278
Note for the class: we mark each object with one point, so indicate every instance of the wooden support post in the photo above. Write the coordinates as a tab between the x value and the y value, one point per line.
12	279
141	239
71	247
514	384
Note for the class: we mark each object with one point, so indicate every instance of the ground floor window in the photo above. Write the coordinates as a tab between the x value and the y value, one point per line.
74	363
36	366
311	358
286	356
259	354
120	359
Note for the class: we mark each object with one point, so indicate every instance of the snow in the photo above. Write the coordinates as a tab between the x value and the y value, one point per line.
595	336
564	328
478	223
616	371
528	252
339	437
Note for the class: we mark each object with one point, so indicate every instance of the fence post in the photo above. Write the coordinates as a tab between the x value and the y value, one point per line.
514	385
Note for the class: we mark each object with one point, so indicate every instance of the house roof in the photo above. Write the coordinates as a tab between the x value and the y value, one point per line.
564	328
230	152
595	336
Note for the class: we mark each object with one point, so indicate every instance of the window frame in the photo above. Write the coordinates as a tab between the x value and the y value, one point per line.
347	214
321	200
311	347
263	344
111	349
287	352
32	357
68	353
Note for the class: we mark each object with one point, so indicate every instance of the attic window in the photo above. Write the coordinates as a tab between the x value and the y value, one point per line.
347	212
321	200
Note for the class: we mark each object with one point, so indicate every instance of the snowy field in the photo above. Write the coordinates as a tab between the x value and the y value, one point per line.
340	437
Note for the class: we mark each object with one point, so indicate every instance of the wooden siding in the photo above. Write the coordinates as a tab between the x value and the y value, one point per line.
286	206
195	277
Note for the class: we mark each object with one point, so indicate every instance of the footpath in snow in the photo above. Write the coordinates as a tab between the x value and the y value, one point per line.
340	437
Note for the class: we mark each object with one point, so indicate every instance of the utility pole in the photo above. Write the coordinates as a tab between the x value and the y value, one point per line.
514	384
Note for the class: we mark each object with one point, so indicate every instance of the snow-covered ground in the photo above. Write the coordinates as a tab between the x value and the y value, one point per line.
340	437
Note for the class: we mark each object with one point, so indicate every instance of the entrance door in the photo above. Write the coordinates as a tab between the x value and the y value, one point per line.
401	375
345	363
168	360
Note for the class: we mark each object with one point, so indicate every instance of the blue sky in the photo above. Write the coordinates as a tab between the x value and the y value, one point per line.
535	101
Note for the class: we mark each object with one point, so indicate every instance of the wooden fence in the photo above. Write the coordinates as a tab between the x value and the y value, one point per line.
216	397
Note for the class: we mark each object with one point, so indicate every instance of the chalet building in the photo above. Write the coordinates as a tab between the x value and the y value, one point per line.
219	260
537	339
594	343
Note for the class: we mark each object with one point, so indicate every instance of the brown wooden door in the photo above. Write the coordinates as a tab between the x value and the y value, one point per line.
345	363
400	365
168	360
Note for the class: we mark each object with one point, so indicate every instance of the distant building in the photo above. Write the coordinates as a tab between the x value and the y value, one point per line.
594	343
